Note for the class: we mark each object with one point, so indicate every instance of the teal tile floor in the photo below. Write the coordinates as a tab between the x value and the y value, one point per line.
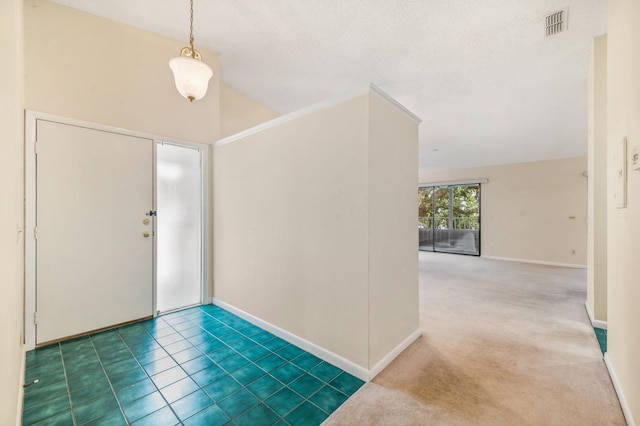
601	335
199	366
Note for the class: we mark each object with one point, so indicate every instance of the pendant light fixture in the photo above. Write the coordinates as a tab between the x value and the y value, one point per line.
190	73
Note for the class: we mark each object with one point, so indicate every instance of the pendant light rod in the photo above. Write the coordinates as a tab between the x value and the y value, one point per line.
190	73
190	50
191	30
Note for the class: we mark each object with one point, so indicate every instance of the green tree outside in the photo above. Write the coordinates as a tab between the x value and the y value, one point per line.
433	206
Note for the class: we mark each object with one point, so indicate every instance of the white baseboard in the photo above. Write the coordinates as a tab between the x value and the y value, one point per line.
626	410
595	323
322	353
384	362
538	262
23	367
599	324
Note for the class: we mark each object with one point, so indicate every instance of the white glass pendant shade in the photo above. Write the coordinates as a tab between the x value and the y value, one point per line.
191	75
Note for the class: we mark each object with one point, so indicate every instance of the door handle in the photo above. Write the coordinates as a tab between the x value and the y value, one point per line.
145	234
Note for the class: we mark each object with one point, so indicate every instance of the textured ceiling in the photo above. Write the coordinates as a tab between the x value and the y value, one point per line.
490	88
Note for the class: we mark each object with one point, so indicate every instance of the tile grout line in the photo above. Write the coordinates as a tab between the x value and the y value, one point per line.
148	376
66	380
113	391
245	387
218	365
237	334
40	403
188	375
285	385
229	374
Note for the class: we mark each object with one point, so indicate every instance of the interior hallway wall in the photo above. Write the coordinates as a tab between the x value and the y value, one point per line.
597	183
290	227
393	240
11	211
623	231
90	68
534	211
314	228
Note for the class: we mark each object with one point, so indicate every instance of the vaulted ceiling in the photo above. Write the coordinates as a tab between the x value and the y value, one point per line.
488	84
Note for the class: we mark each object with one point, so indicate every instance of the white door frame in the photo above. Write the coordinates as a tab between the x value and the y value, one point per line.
31	118
204	296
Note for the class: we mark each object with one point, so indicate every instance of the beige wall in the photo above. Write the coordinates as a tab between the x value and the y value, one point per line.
623	232
295	236
290	227
89	68
239	112
11	212
597	183
393	240
527	209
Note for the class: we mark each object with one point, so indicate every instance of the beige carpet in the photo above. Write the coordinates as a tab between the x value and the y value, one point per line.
502	343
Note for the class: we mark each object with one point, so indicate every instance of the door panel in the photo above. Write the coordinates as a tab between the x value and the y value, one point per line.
441	218
425	218
94	266
179	219
449	219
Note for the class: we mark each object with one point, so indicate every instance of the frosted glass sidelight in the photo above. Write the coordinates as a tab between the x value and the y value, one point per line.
179	221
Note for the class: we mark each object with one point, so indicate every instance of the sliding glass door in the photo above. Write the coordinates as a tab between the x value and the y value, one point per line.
449	219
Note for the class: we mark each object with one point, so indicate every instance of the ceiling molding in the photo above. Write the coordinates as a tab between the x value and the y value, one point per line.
381	94
372	89
289	117
454	182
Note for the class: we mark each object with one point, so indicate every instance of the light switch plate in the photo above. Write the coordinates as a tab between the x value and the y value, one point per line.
620	175
635	158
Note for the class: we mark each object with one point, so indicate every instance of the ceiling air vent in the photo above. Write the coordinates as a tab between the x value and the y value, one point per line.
556	22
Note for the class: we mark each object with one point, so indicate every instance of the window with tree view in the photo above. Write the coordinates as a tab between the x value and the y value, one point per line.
449	218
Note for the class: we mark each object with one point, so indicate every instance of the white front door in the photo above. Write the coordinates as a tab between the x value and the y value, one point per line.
94	244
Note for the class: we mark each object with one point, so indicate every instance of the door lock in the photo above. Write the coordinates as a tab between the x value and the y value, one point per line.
146	221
